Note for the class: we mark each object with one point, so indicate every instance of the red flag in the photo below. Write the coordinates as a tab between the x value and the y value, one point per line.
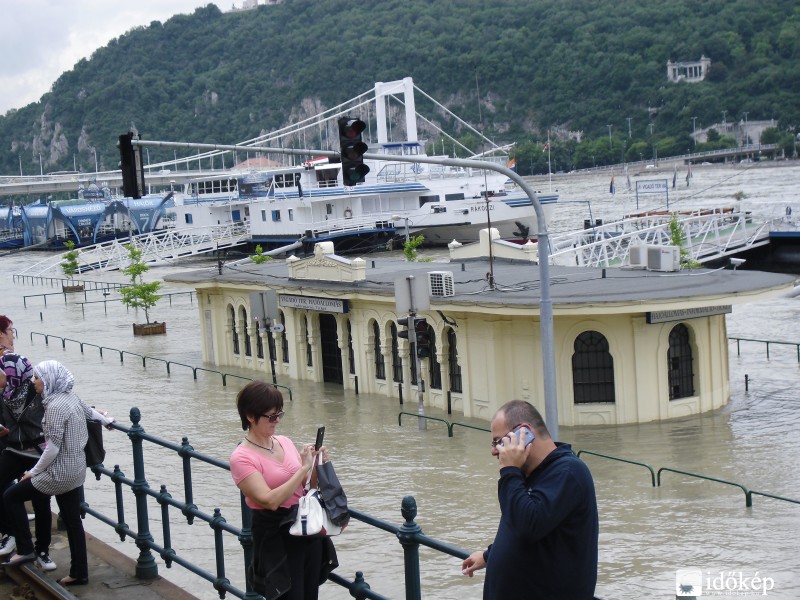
546	147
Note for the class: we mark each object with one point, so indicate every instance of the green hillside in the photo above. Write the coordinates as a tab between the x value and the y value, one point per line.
539	65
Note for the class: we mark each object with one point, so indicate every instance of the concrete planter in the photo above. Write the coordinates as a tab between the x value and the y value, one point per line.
71	288
154	328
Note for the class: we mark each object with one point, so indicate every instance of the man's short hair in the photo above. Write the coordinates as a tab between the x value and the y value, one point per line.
520	411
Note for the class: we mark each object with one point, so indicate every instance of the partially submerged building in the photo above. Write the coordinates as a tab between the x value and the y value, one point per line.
631	346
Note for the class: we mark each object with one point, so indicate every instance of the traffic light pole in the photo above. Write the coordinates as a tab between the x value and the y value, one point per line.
545	301
412	339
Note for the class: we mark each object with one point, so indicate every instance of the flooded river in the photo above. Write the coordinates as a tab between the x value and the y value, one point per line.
646	533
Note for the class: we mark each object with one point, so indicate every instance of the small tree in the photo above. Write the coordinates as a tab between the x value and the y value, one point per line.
70	263
139	294
410	247
677	237
259	257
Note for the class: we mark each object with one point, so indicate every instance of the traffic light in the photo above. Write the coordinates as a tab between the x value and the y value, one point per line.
423	338
130	162
352	150
408	332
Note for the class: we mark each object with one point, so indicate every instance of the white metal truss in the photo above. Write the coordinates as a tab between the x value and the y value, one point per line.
159	246
709	235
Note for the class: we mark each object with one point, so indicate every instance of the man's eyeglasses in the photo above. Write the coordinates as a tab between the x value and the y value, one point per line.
274	417
499	441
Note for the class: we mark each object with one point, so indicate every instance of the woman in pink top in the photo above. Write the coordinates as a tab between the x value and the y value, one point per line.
271	473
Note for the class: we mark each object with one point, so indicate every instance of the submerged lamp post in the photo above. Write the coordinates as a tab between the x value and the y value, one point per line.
396	218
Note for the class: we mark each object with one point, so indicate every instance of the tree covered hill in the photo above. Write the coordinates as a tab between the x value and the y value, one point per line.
539	65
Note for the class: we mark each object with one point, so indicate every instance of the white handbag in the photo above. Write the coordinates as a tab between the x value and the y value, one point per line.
312	519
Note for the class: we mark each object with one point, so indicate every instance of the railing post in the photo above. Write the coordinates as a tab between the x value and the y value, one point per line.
408	539
146	567
246	540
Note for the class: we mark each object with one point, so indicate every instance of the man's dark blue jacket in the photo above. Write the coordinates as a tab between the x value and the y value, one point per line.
546	543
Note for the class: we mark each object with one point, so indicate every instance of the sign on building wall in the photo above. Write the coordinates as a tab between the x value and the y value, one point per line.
313	303
680	314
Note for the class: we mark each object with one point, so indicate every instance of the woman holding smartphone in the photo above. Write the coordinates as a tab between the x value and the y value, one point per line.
271	473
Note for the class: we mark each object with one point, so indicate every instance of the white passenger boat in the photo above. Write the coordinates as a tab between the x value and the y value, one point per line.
283	204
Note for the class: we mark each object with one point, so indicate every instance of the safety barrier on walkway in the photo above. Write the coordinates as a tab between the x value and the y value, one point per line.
91	284
738	341
169	363
655	477
409	534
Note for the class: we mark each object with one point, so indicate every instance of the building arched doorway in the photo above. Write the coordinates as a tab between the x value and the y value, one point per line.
331	352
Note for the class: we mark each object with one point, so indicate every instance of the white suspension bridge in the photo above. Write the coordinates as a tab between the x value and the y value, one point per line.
708	235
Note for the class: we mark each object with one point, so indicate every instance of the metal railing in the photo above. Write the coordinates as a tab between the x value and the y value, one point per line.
409	534
168	363
738	341
655	477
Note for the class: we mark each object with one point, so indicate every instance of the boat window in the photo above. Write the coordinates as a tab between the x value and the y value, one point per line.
263	215
276	216
188	217
329	209
327	177
291	214
426	199
454	196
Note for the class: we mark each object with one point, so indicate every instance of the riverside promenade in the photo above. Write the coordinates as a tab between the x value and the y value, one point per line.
111	576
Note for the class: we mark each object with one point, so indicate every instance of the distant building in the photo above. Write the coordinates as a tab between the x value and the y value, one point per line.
688	71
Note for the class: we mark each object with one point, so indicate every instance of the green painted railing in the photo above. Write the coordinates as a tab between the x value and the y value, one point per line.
655	477
738	341
169	363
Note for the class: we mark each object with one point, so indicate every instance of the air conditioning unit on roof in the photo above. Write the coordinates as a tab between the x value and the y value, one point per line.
637	256
663	258
440	283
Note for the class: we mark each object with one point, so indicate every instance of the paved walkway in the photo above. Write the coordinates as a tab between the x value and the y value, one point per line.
111	575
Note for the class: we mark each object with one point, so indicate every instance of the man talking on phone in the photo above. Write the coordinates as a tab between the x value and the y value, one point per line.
546	542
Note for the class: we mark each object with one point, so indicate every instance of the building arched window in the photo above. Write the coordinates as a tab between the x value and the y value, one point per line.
397	362
380	364
679	363
434	368
592	369
284	340
234	333
453	368
248	351
350	353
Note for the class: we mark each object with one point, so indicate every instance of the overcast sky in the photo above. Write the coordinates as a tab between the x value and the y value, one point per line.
40	39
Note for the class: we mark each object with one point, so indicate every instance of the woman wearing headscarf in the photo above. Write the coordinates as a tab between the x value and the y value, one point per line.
22	411
60	470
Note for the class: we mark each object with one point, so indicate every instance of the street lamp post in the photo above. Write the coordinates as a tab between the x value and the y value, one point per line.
547	335
629	126
95	161
609	136
746	137
694	130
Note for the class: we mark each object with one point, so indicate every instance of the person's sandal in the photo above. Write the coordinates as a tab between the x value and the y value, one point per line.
68	581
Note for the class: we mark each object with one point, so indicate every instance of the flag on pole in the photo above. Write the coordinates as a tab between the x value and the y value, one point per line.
546	147
688	175
674	177
611	189
512	164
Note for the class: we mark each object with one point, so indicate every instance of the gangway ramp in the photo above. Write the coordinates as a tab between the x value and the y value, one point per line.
165	245
709	235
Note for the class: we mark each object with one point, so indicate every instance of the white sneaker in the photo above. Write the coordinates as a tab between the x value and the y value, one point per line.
44	563
7	545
